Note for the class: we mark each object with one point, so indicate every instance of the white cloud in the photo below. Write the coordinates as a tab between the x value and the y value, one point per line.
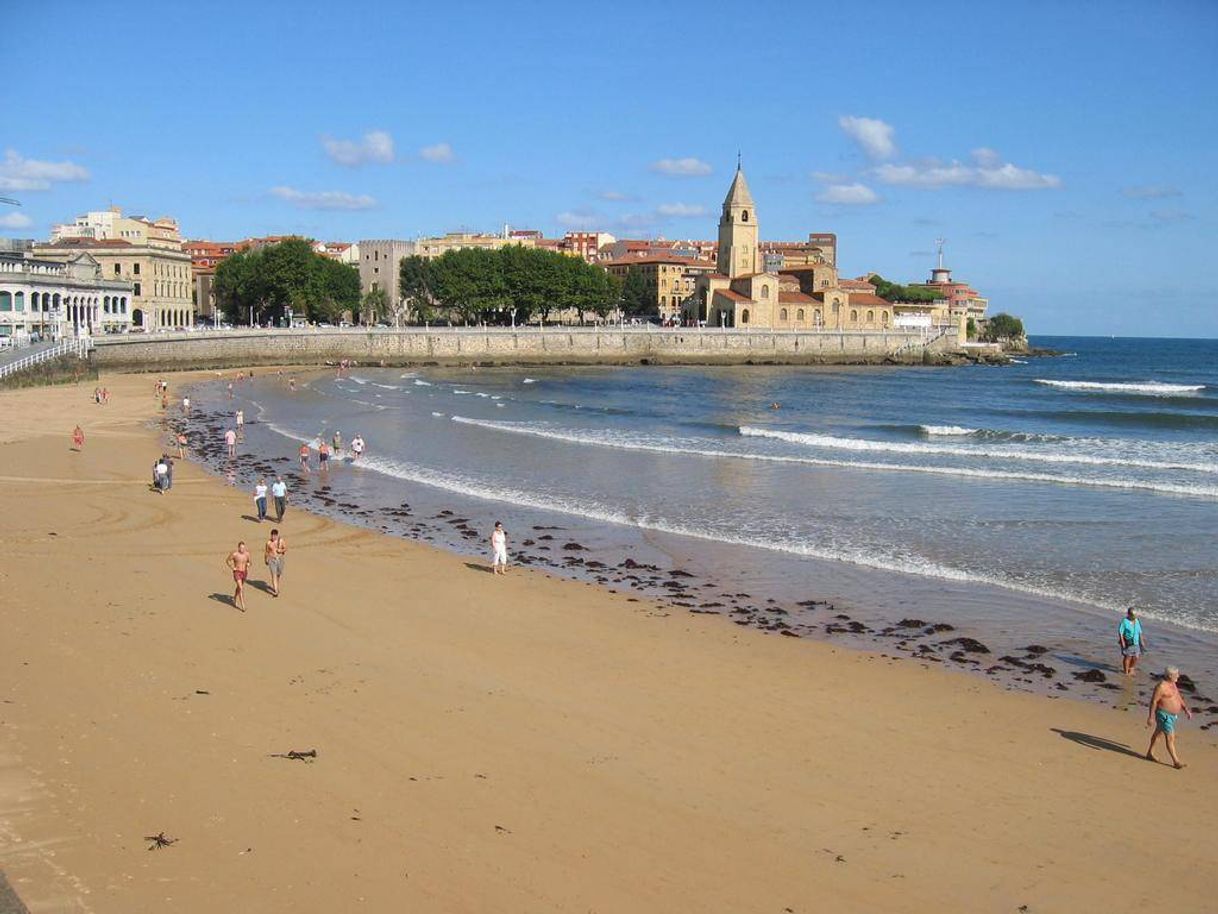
579	221
873	136
828	177
20	173
681	210
1151	192
376	146
326	199
681	167
1172	215
848	195
438	153
615	196
15	221
987	170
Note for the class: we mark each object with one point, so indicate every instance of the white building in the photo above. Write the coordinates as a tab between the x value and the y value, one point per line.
57	298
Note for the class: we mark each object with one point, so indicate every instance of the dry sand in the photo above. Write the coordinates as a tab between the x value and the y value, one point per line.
518	744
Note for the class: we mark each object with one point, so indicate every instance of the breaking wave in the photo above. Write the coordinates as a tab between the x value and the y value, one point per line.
1148	388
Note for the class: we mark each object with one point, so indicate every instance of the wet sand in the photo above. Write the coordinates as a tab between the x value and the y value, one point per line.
502	744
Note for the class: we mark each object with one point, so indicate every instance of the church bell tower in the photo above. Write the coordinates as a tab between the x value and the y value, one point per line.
738	235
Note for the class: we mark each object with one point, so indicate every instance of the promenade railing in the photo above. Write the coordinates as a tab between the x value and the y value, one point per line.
77	347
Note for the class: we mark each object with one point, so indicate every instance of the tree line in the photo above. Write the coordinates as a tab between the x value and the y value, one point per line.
286	276
512	284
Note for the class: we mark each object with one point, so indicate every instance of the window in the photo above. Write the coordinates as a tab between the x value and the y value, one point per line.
765	290
871	317
117	269
137	289
744	316
135	268
19	301
799	315
884	318
744	217
782	315
854	316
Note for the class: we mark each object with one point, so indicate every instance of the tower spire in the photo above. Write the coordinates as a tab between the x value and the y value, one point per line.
940	242
739	161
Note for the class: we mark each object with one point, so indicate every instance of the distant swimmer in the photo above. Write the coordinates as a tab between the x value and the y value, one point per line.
230	390
273	554
238	562
78	438
1165	706
499	549
292	383
1129	637
775	406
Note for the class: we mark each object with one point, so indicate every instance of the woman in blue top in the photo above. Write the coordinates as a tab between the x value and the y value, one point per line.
1129	636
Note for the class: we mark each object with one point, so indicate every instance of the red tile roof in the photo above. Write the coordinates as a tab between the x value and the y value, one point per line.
88	243
866	298
795	298
733	295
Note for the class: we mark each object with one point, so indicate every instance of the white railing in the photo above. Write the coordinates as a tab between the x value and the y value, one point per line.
78	347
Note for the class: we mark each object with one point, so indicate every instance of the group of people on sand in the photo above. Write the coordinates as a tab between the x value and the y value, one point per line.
1166	702
101	395
274	554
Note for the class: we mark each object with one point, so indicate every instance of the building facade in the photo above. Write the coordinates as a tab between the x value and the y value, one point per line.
958	300
160	277
380	263
671	279
57	298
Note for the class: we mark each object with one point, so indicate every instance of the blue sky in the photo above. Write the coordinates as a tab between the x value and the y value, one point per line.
1065	150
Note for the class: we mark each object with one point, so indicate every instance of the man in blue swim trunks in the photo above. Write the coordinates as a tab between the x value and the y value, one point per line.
1165	706
1129	637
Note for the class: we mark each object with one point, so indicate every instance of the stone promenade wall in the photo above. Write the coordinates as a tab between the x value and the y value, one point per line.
452	346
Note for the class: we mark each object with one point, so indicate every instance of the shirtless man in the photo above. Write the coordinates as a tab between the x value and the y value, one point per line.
273	554
238	562
1165	706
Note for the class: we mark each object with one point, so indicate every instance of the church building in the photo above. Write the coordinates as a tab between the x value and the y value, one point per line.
742	293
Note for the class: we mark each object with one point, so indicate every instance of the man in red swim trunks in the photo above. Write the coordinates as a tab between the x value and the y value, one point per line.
239	562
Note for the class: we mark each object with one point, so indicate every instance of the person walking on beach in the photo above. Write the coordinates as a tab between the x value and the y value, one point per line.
238	562
181	445
499	549
1129	637
230	442
273	554
168	461
164	401
260	499
357	447
160	475
1165	706
337	441
78	438
240	422
279	491
186	406
323	456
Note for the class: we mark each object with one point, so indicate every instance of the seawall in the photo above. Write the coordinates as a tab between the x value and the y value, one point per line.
558	346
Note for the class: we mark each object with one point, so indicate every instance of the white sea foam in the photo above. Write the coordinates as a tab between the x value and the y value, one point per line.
1148	388
956	430
356	380
438	415
1019	362
1035	455
696	448
418	382
461	393
529	381
494	492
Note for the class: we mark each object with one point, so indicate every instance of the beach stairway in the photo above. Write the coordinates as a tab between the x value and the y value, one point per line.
21	360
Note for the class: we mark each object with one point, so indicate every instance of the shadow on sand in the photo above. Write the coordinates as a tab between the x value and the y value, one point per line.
1097	742
225	598
478	566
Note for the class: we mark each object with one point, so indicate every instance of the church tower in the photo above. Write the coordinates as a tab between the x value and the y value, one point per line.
738	231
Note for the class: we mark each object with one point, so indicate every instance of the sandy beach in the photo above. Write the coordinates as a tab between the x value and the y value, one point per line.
516	744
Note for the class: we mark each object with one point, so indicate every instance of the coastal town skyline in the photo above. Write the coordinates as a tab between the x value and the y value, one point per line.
1037	173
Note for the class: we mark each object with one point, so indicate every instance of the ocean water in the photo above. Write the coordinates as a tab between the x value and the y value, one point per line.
1030	501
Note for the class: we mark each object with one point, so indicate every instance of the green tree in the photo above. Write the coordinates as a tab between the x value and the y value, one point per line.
416	284
891	291
637	297
971	329
374	306
1004	326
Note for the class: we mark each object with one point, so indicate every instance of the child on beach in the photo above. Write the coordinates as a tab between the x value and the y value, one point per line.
78	438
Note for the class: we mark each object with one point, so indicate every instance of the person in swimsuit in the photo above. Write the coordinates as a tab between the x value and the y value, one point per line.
273	555
337	441
323	455
304	457
78	438
1165	706
1129	637
238	562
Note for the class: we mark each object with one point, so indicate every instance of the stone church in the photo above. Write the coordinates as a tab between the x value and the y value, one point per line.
741	293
